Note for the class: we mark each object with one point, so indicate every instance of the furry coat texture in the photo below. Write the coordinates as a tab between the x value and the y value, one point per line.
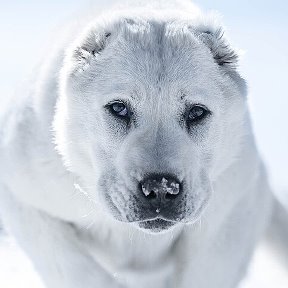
70	167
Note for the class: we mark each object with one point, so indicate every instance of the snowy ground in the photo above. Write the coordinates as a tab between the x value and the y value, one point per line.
16	271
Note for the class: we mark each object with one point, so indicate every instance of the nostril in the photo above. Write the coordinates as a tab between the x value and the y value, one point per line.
172	187
151	195
148	190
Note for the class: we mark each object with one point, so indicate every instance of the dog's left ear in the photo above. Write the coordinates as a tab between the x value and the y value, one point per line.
223	54
91	45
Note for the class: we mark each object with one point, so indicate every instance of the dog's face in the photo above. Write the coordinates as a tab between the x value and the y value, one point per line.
150	114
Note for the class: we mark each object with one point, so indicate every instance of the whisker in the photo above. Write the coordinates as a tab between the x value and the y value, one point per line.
200	224
88	214
80	189
131	235
90	225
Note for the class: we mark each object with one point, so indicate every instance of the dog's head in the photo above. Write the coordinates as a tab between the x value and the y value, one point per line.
150	114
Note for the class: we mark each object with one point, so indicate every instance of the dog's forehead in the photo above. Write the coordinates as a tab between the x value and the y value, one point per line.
157	57
163	50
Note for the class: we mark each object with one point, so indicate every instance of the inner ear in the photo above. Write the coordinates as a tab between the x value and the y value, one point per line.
91	45
223	54
99	44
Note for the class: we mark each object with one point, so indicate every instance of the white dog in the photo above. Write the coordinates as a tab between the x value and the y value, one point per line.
130	162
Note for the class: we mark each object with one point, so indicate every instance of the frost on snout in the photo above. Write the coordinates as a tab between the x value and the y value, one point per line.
155	188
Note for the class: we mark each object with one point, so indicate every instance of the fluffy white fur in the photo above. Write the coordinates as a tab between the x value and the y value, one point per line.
69	170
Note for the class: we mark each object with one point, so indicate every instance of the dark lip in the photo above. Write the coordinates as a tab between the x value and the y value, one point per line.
156	218
196	215
156	225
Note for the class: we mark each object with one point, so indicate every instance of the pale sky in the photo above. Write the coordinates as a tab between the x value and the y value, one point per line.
257	27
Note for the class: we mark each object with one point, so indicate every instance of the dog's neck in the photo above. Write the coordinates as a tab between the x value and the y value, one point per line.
127	252
125	242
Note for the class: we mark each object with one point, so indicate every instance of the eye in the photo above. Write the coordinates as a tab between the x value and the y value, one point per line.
119	109
197	113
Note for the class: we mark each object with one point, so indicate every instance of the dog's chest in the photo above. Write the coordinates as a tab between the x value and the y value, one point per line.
135	262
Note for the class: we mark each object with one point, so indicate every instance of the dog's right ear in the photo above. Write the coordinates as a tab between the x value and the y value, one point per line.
213	37
91	46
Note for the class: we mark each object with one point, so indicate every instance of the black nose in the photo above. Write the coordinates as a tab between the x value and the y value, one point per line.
160	187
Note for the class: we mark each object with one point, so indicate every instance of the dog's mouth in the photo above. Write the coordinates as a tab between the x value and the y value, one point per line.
156	225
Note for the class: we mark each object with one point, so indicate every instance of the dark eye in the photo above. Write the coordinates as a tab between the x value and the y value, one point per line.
119	109
197	113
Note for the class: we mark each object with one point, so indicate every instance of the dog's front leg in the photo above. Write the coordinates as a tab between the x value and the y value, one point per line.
54	248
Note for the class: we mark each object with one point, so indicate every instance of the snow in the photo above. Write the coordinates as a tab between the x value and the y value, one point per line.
157	187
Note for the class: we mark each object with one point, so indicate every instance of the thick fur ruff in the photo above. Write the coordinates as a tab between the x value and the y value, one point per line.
70	169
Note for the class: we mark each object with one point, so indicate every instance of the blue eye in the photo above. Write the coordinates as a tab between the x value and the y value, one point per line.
119	109
197	113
